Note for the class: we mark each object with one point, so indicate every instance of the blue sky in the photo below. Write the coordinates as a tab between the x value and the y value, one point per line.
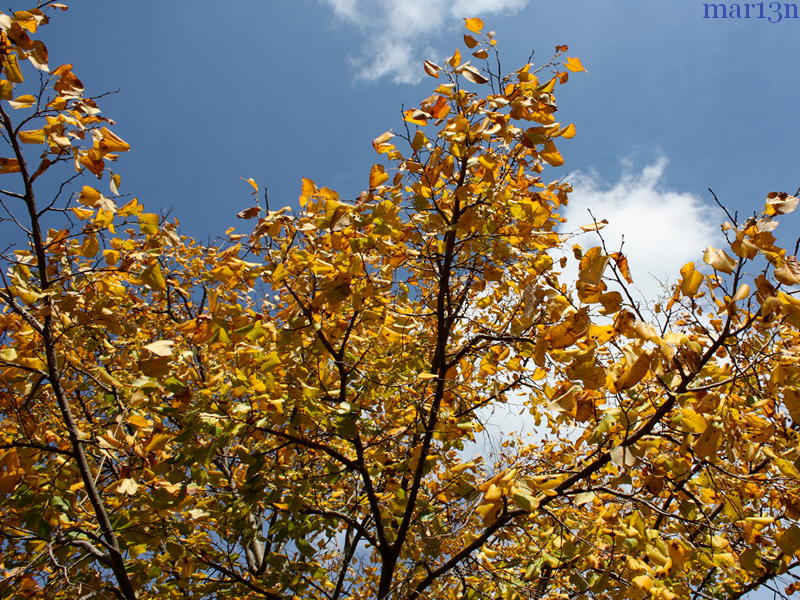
286	89
282	89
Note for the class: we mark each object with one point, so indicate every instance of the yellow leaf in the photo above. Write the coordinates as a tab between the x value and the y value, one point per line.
132	207
153	278
252	183
419	140
574	64
82	213
157	442
148	223
24	101
32	136
377	176
474	24
592	265
707	443
89	196
569	131
635	373
138	420
742	293
601	333
417	117
114	182
595	226
524	499
551	154
719	260
494	493
90	247
692	421
110	142
691	281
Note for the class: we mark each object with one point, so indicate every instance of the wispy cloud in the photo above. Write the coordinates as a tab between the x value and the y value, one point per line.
399	34
663	229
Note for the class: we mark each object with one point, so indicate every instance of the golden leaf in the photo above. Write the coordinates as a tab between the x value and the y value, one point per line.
25	101
110	142
32	136
377	176
719	260
455	60
592	265
551	154
690	284
89	196
574	64
153	278
474	24
252	183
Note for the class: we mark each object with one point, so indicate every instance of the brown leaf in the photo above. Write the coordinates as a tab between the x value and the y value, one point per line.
9	165
431	68
472	74
248	213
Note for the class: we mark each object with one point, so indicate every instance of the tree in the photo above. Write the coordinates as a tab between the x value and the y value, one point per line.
293	413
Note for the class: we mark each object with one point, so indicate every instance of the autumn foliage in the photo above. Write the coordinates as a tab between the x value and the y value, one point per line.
298	412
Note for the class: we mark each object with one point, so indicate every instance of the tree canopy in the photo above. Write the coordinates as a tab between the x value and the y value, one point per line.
297	412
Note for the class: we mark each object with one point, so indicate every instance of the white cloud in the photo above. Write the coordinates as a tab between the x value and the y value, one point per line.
396	31
663	229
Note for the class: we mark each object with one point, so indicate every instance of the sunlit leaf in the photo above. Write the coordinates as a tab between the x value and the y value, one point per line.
474	24
574	64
